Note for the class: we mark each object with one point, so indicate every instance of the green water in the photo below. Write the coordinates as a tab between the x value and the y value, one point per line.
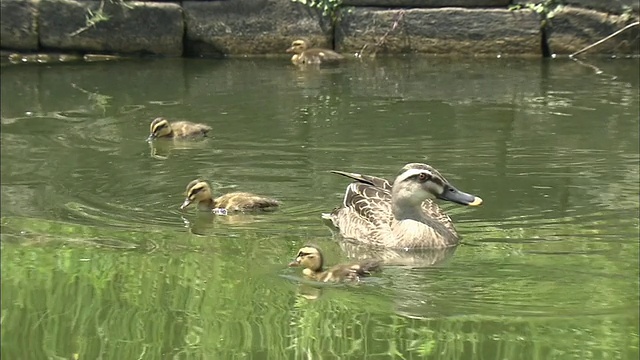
98	262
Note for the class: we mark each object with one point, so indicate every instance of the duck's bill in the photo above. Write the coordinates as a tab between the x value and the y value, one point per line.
459	197
289	50
186	203
294	263
150	138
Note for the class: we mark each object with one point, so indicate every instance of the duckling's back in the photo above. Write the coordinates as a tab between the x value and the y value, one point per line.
189	129
243	201
318	56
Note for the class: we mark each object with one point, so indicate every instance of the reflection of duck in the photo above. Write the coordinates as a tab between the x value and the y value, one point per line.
415	258
199	191
207	223
162	128
162	149
303	55
401	215
311	259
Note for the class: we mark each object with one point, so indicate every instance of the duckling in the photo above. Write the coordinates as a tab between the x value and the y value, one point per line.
303	55
310	257
199	191
162	128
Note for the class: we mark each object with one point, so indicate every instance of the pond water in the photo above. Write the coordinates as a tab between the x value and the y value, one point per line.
98	261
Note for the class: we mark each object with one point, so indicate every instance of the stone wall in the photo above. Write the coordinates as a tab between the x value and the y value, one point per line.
215	28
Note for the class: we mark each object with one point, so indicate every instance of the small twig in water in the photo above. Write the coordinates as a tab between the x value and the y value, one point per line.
605	39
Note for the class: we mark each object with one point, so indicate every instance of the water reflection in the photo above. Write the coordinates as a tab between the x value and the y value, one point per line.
397	257
162	149
204	223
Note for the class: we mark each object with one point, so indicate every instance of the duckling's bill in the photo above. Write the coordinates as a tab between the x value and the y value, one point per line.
294	263
185	204
452	194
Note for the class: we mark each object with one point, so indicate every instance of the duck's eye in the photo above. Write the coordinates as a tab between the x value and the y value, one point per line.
424	177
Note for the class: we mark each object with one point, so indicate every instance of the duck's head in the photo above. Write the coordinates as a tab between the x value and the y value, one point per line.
410	166
309	257
159	127
197	191
419	182
298	46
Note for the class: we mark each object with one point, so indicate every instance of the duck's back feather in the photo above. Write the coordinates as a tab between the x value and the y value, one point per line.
243	201
349	272
367	179
187	129
317	56
365	213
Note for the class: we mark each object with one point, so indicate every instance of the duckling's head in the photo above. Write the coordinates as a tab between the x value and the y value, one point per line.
298	46
197	191
159	127
422	182
309	257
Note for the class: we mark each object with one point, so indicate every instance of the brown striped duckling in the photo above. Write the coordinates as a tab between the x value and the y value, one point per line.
401	214
310	258
303	55
162	128
199	191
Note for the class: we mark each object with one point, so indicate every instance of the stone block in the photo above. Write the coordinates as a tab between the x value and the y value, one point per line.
18	24
238	27
572	29
439	31
427	3
131	27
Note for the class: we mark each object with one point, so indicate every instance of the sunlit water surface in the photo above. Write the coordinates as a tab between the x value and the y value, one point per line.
98	262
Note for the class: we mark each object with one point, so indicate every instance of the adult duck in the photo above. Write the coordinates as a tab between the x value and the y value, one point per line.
401	214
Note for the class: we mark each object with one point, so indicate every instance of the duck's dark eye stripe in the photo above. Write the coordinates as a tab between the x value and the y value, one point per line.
195	191
161	126
438	181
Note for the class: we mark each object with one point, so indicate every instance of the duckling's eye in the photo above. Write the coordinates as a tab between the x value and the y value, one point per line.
424	177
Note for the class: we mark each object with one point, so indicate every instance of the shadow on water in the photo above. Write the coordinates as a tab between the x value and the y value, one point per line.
99	262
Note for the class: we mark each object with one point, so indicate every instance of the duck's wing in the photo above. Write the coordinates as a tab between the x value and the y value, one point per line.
190	129
350	272
243	201
367	179
431	210
365	214
204	129
324	54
